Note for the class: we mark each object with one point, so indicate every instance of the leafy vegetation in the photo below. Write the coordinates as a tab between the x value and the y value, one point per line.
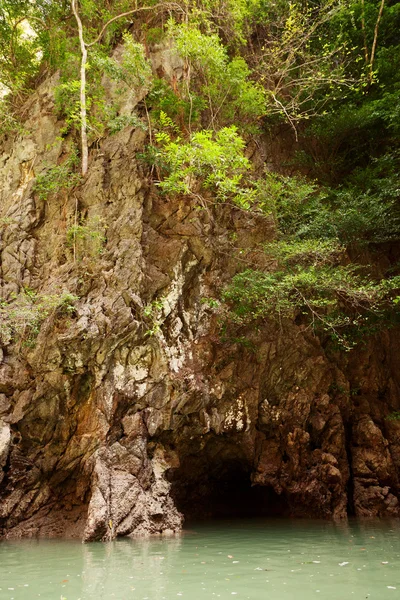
394	416
220	86
87	238
213	162
328	71
22	316
312	279
57	178
333	299
152	313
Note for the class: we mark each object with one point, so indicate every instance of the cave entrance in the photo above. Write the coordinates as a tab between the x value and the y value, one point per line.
219	486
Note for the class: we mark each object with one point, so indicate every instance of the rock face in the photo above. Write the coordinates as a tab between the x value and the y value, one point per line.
133	411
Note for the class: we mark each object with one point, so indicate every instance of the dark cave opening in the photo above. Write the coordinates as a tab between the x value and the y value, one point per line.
222	489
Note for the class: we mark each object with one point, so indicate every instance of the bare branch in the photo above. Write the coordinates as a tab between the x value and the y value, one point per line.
278	103
131	12
373	49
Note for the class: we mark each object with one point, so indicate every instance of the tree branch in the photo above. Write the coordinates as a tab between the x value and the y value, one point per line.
366	53
126	14
371	62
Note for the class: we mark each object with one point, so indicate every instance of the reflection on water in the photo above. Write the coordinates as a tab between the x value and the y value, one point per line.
142	564
255	560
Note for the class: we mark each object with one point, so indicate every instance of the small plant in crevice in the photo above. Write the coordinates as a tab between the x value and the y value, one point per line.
62	177
393	416
153	315
7	221
22	316
337	388
212	303
86	239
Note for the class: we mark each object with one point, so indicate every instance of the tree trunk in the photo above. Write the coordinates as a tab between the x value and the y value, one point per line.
83	116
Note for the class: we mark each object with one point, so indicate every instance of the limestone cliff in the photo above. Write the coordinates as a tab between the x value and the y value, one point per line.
133	410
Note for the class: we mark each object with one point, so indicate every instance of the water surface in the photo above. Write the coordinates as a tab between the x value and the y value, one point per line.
247	560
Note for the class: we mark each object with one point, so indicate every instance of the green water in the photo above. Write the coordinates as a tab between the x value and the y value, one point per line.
257	560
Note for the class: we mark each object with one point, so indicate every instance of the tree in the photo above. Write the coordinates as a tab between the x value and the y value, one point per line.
298	60
84	46
370	56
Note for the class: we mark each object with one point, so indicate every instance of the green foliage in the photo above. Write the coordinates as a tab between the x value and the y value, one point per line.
9	122
299	61
61	177
231	19
32	35
364	210
225	85
176	105
119	122
133	70
210	161
308	252
332	298
153	315
349	138
151	156
68	104
246	63
203	51
19	43
153	35
212	303
353	147
23	315
365	218
290	199
393	416
132	73
310	280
